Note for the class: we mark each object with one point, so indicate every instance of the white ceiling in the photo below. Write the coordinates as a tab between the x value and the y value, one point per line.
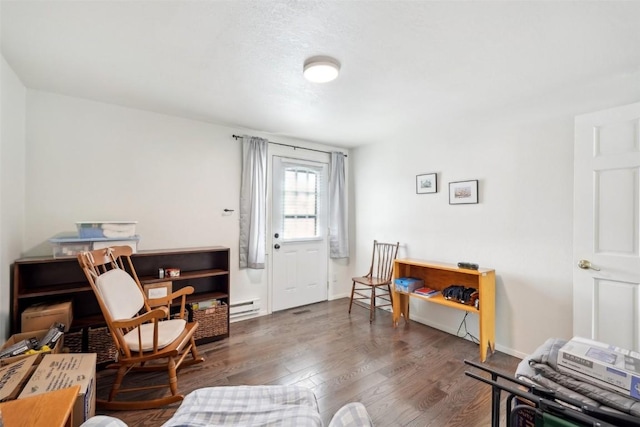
404	63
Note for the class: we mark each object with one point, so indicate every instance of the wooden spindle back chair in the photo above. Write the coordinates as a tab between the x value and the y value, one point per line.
378	278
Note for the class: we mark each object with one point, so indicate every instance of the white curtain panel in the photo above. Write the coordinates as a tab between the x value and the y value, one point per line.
338	231
253	202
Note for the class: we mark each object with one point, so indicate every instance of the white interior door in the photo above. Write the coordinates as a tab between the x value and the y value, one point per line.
607	227
299	233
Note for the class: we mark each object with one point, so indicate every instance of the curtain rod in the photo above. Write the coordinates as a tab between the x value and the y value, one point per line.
295	147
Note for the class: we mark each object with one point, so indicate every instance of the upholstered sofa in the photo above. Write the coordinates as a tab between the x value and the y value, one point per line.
283	406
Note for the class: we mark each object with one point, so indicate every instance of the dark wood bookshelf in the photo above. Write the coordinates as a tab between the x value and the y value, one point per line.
48	279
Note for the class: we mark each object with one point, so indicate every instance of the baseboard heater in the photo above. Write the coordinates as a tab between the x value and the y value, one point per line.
244	308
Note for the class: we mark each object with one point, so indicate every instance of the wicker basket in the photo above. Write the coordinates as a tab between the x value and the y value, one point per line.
211	321
101	343
73	342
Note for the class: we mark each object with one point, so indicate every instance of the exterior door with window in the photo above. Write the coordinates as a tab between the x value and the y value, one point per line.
299	240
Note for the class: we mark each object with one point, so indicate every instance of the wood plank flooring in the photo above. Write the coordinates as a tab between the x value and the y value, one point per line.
412	375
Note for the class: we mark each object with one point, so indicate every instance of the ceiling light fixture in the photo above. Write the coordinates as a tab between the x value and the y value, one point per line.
321	69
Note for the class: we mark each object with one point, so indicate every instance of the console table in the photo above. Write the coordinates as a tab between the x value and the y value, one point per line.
439	276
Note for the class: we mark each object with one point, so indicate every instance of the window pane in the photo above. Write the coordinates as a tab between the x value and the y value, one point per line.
300	203
299	227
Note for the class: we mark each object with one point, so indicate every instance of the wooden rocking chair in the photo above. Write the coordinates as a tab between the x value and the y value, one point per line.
146	339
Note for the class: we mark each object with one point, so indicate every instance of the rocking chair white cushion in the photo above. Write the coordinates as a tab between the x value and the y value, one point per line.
168	331
120	293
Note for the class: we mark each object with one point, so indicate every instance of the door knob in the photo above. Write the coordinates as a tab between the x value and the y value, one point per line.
276	235
277	246
586	265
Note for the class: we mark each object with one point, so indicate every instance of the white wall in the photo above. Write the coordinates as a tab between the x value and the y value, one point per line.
12	182
91	161
522	226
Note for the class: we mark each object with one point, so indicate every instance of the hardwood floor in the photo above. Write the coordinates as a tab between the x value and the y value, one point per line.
412	375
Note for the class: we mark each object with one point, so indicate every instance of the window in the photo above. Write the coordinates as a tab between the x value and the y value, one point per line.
300	200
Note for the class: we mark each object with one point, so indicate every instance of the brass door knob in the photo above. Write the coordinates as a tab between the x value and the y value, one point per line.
586	265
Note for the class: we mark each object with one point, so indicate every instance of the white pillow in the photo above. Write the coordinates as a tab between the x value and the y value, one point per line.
352	414
103	421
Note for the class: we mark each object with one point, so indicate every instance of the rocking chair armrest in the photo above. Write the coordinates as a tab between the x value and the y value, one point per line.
164	301
156	313
187	290
182	294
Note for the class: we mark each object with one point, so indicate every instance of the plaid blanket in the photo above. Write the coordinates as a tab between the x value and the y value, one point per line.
252	406
248	406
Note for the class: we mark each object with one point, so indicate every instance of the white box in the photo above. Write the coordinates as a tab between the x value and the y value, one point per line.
58	371
610	367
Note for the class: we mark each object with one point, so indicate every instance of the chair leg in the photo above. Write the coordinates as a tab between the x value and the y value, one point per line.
353	289
194	351
390	295
372	308
115	388
173	376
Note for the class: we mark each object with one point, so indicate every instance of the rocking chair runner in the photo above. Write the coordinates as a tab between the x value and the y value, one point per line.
146	339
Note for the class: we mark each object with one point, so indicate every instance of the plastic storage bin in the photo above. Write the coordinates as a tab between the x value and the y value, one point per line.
72	246
64	249
106	229
408	284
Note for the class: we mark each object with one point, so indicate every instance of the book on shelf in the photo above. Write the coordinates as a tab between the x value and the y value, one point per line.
426	292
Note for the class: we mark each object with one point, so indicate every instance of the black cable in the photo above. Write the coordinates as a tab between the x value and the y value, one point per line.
466	332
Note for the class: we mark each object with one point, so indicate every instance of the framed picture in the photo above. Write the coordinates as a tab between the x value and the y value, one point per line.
463	192
427	183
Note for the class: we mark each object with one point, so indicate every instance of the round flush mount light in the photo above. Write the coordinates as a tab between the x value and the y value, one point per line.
321	69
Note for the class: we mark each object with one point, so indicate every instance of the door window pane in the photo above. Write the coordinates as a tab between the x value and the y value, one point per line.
300	203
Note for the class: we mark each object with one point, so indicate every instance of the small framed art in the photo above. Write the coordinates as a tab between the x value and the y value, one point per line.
427	183
463	192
